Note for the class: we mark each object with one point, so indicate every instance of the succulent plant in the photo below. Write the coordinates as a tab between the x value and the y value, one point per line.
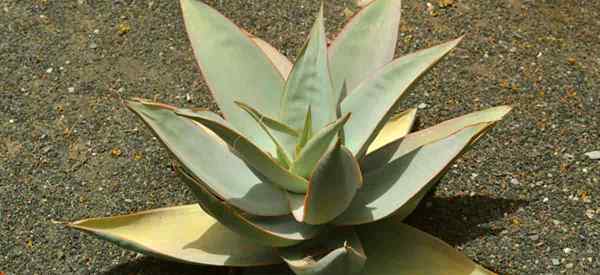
308	166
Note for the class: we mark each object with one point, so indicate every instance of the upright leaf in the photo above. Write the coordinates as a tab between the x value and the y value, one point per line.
314	149
269	231
388	188
306	132
267	124
332	187
382	91
309	83
280	61
365	44
234	67
248	151
182	233
210	159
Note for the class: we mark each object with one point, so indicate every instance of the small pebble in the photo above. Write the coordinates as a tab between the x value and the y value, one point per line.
93	45
567	250
534	237
49	70
71	89
545	200
422	106
515	181
593	155
569	265
555	262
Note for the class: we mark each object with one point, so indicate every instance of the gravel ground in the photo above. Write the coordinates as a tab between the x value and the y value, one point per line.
525	200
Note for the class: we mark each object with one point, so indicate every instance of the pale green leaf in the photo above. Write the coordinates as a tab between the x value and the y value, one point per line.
365	44
309	83
388	188
395	248
234	67
280	61
379	156
306	132
269	231
375	98
262	162
331	188
211	160
183	233
396	128
314	149
267	124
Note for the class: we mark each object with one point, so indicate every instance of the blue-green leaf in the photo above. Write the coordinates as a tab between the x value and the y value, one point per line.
314	149
388	188
210	159
374	99
365	44
248	151
309	83
331	189
277	231
235	69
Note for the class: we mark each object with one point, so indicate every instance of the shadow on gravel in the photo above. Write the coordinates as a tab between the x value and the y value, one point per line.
458	220
152	266
148	265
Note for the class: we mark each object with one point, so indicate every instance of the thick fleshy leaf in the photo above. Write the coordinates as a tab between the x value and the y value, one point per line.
277	231
280	61
234	67
332	187
396	128
388	188
183	233
306	132
396	248
365	44
211	160
314	149
374	99
309	83
267	124
339	253
254	156
271	123
378	157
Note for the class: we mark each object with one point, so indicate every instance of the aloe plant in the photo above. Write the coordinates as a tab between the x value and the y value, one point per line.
308	166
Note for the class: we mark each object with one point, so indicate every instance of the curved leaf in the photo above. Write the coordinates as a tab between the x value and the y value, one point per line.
396	248
396	128
378	157
365	44
382	92
340	253
309	83
314	149
210	159
390	187
183	233
234	67
254	156
331	188
280	61
267	124
269	231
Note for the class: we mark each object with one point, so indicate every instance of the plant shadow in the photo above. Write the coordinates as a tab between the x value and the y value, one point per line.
458	220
